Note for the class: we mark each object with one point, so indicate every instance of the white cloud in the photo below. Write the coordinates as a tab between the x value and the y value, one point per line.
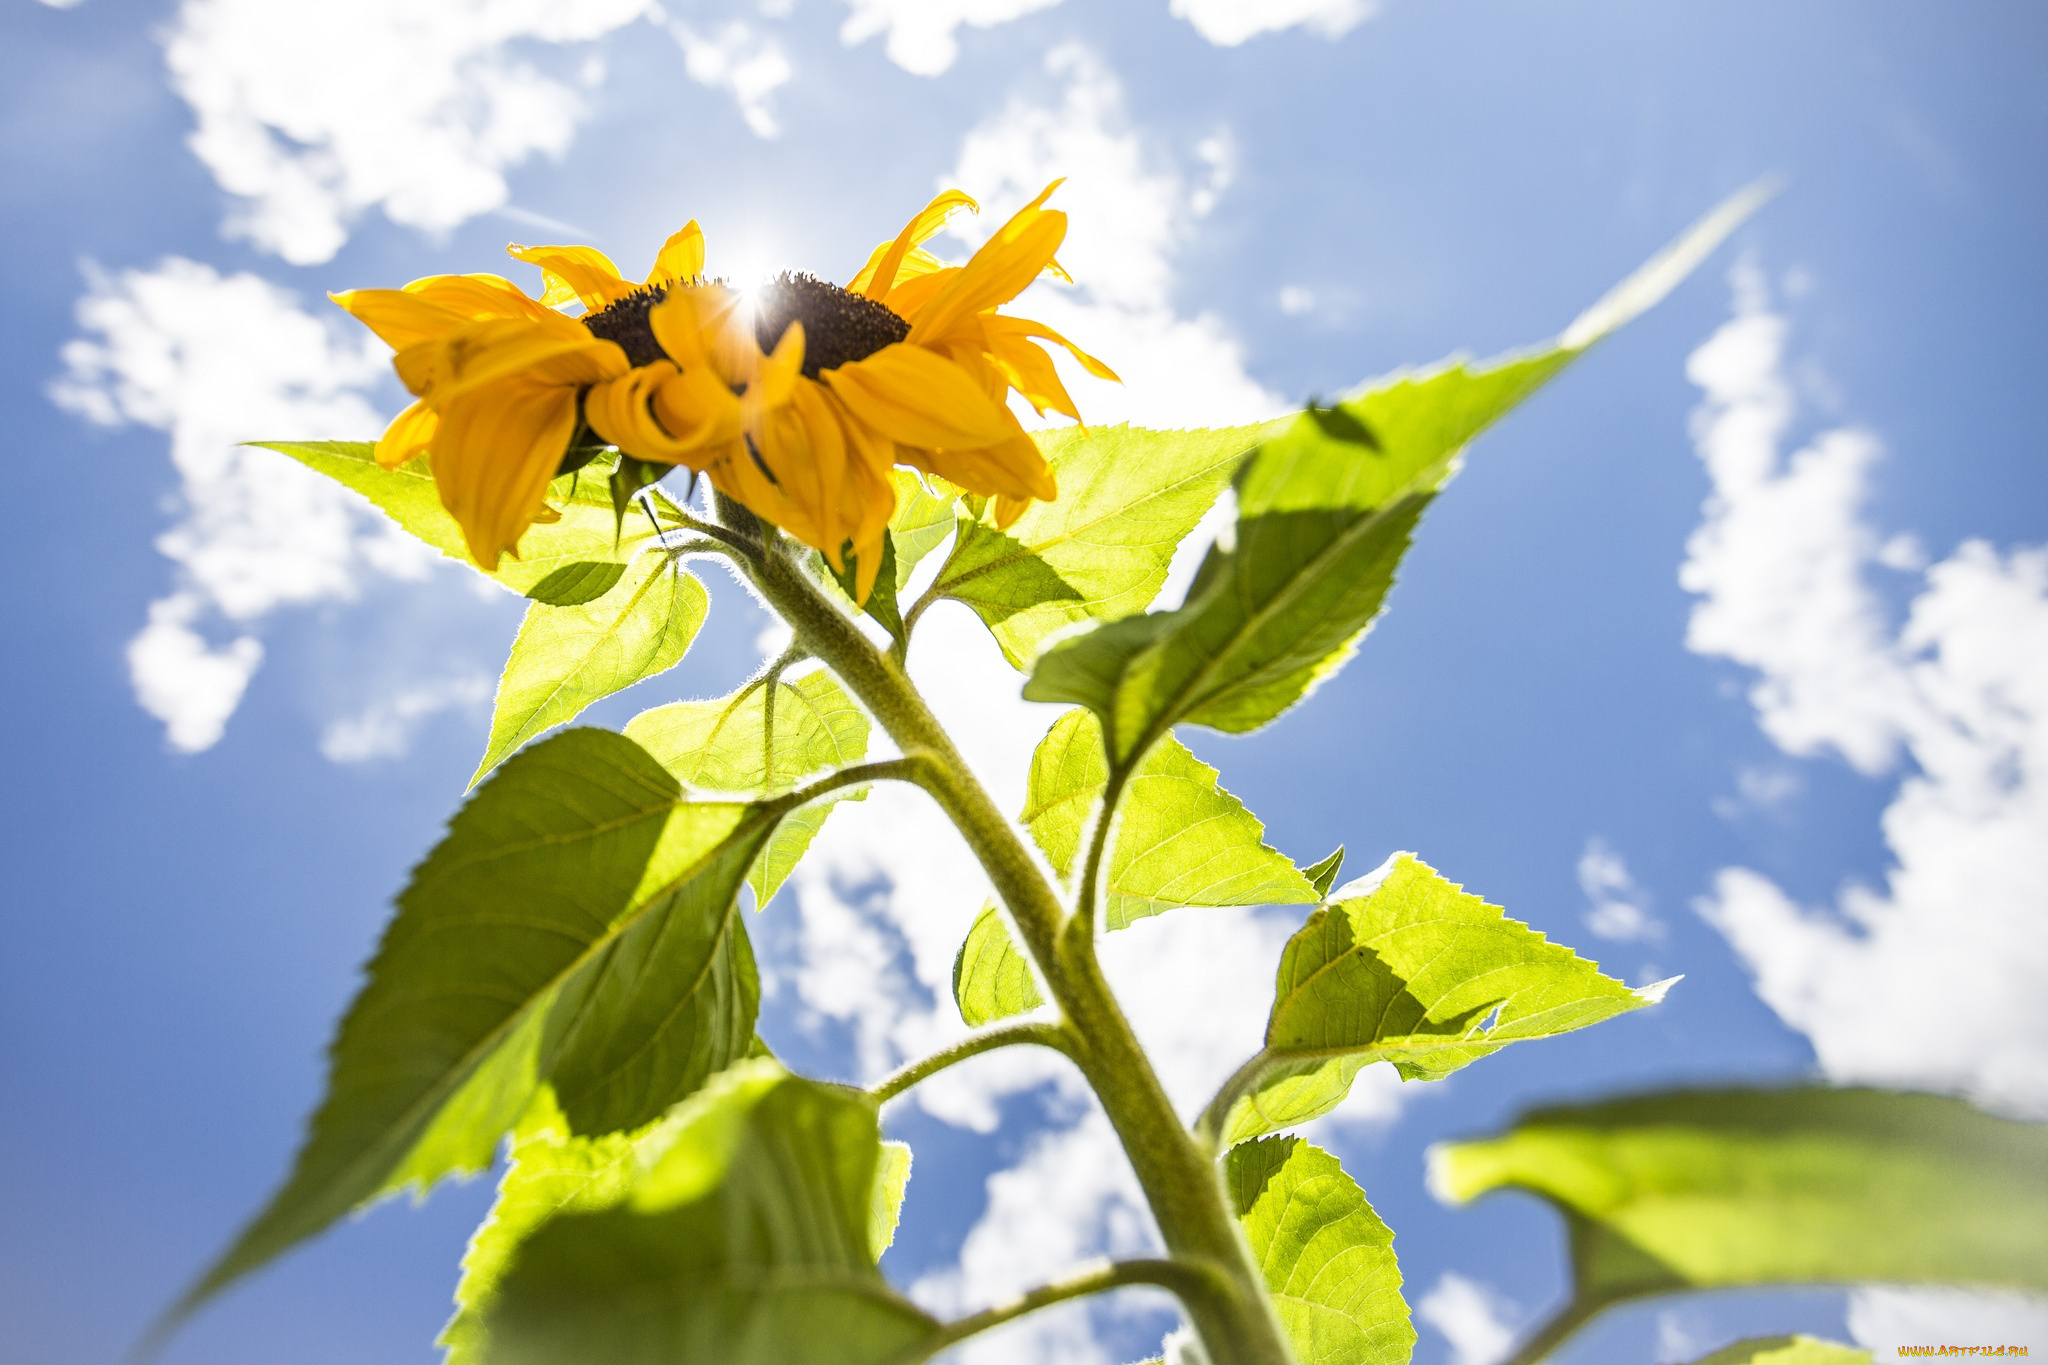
216	360
314	111
1473	1318
61	4
737	58
1130	210
921	32
1228	23
1932	980
1619	909
386	727
1886	1319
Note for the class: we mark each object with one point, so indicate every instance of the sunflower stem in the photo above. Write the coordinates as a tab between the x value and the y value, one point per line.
1182	1183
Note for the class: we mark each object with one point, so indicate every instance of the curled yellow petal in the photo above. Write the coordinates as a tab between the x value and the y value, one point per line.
496	451
409	434
551	349
918	397
878	276
575	272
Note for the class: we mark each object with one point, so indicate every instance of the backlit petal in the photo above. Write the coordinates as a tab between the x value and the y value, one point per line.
917	397
681	259
494	456
409	434
1006	264
879	275
581	272
999	327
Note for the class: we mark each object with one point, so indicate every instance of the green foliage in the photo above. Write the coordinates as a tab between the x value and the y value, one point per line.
1324	874
1180	839
576	929
761	741
1327	1259
991	979
1403	966
565	658
1740	1187
1127	498
746	1235
1325	509
587	532
1790	1350
574	584
922	520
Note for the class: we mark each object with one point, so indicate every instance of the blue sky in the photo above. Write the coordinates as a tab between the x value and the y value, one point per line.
1810	776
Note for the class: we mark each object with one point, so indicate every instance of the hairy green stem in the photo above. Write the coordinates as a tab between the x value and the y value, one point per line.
1081	931
1181	1182
1184	1281
1054	1036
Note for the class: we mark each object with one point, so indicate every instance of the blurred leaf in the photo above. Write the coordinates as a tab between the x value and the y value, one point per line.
1324	874
885	1209
1695	1190
728	746
1327	1258
1128	497
586	533
1403	966
922	521
1790	1350
881	603
1325	510
991	979
1180	838
576	929
565	658
747	1237
574	584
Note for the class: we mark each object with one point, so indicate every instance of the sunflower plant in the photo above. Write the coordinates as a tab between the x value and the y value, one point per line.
568	978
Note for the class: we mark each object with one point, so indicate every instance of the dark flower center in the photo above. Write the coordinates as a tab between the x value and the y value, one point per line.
838	327
625	321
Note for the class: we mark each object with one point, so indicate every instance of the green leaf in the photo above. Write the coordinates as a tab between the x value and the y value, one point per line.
1788	1350
1327	1259
1180	839
585	534
1403	966
991	979
1324	874
577	929
1325	510
922	520
574	584
565	658
747	1239
1745	1187
729	745
1127	498
885	1209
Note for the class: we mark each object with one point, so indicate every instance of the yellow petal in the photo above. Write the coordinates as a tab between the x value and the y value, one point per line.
580	272
910	295
553	349
1003	268
409	434
1014	468
1030	372
878	276
704	325
401	319
681	259
1000	327
497	449
919	398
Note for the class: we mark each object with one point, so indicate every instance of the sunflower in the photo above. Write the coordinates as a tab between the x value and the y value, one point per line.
499	376
795	403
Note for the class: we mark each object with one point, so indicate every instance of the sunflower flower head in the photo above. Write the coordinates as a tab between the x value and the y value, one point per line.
795	402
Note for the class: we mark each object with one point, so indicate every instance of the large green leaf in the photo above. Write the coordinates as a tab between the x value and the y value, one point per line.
1180	838
762	741
1327	1259
746	1236
1325	510
565	658
577	930
1127	498
1703	1189
1787	1350
991	979
1403	966
922	520
588	531
551	1172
